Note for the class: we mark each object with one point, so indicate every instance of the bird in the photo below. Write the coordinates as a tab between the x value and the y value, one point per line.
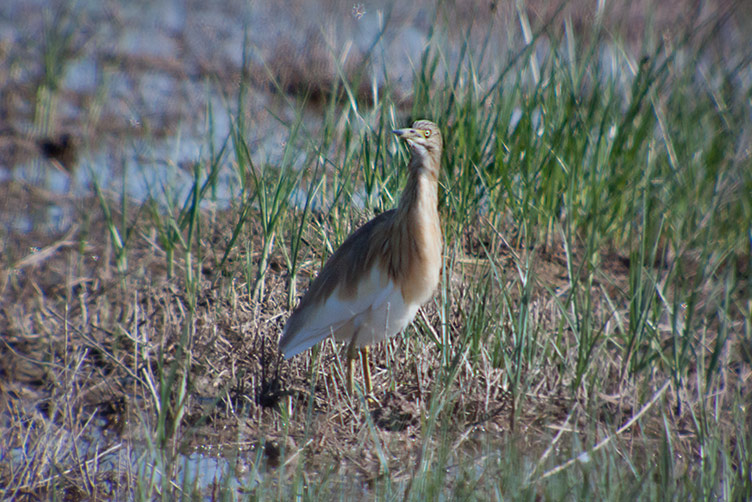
62	151
374	283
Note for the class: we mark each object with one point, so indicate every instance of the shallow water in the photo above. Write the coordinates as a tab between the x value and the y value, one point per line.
136	81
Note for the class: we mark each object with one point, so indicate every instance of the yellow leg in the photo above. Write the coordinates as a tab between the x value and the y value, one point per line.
365	360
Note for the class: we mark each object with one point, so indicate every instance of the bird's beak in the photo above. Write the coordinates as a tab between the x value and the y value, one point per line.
405	133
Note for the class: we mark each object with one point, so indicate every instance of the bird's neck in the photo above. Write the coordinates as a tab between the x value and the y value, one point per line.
414	259
421	191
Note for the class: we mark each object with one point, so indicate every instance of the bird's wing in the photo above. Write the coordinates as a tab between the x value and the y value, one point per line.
335	313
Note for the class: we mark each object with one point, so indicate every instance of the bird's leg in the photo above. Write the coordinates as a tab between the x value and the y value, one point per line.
365	360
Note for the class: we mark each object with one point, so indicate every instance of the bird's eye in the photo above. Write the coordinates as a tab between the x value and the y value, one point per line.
426	133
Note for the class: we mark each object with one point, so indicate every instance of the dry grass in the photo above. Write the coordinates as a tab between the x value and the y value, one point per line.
83	350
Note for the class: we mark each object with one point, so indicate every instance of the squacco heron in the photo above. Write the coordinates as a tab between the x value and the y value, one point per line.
374	283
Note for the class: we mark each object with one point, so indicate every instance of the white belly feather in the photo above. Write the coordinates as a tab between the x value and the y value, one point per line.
375	312
380	321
